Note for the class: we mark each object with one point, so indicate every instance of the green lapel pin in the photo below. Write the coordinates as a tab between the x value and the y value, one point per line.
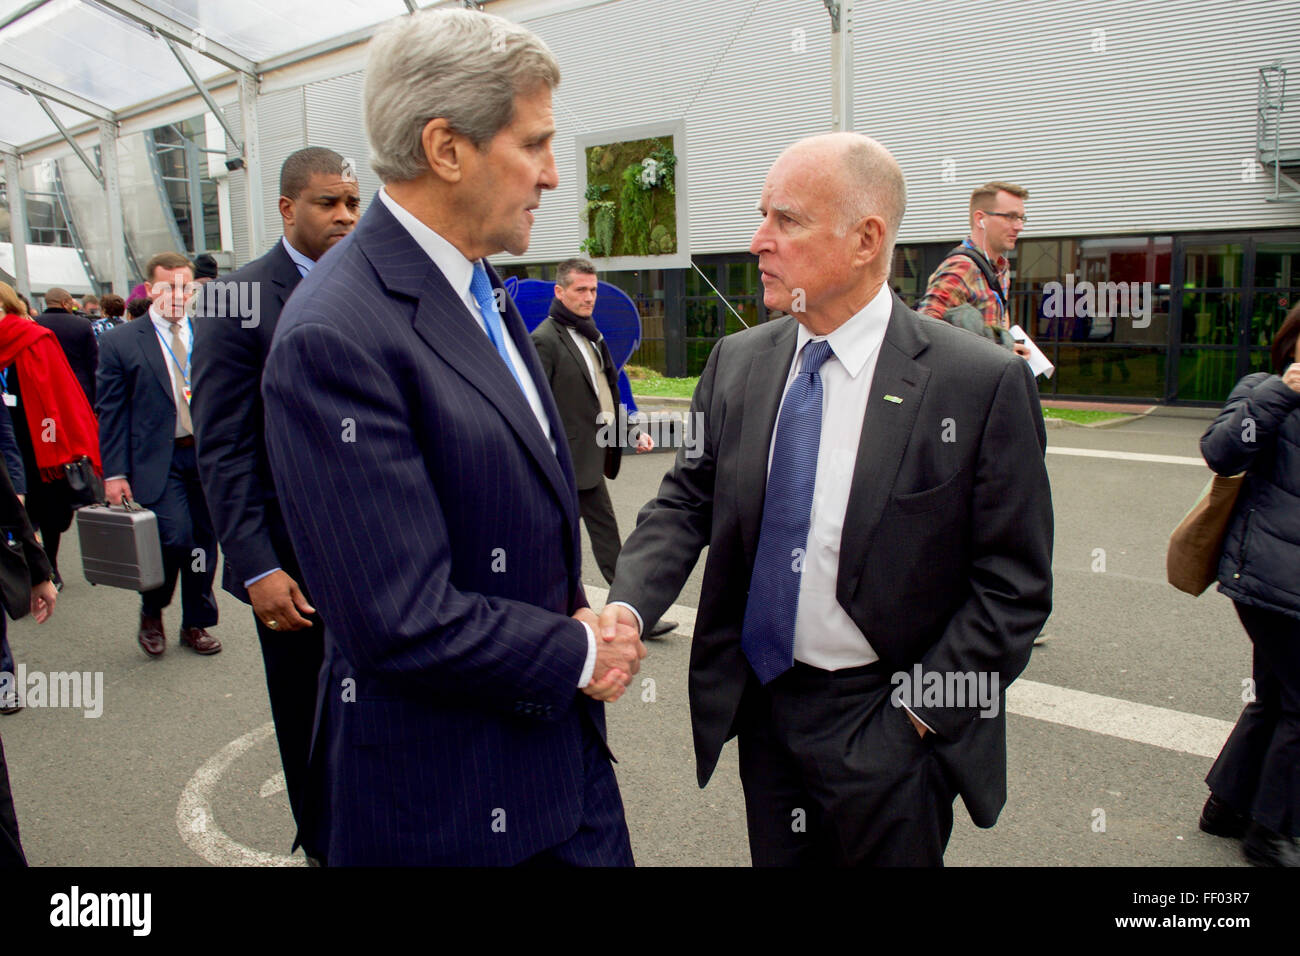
894	398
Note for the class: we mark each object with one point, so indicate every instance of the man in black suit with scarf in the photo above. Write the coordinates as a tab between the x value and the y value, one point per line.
584	381
872	491
237	316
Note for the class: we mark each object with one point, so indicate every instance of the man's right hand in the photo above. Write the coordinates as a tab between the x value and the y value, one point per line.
278	598
115	489
618	654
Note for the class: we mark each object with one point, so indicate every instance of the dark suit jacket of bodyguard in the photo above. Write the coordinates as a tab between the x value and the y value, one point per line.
566	371
945	553
228	416
137	408
438	532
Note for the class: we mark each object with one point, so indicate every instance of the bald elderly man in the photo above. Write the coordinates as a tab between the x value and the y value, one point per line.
874	497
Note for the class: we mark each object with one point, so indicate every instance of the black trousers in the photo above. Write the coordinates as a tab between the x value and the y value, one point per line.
1258	771
293	661
11	848
835	775
598	515
184	525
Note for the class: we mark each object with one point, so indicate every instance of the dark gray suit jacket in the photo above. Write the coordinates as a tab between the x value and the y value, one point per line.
945	556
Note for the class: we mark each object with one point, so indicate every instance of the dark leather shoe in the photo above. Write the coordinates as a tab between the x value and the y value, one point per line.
661	628
1221	820
200	640
1263	847
151	635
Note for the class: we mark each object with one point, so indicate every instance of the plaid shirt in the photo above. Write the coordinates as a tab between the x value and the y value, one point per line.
958	280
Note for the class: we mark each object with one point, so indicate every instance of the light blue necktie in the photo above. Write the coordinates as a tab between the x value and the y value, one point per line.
767	636
481	288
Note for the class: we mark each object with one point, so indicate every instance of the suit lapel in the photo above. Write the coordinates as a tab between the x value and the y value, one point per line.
446	326
764	387
886	429
153	354
284	278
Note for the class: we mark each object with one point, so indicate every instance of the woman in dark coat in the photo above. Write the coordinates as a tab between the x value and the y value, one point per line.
1255	782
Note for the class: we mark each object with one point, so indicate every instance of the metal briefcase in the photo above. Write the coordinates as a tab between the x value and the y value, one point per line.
120	546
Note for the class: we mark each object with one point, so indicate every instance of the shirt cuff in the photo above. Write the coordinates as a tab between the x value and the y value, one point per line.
116	478
265	574
590	666
640	624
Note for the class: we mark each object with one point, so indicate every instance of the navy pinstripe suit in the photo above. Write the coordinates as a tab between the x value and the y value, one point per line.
438	533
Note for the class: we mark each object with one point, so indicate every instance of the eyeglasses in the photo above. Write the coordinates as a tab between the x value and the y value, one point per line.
1010	216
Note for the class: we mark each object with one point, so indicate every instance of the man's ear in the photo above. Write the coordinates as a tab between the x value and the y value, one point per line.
870	233
444	150
286	210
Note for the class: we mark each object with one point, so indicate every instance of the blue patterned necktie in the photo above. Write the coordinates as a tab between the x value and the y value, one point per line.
767	636
480	286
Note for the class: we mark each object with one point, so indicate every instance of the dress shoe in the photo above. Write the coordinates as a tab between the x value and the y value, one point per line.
200	640
151	636
1264	847
661	628
1219	819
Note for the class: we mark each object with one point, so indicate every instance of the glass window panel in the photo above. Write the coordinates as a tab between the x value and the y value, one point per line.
742	278
748	310
702	317
650	354
1277	265
697	355
907	278
1261	360
1206	375
1040	260
1269	309
1127	259
1217	266
1109	371
1210	318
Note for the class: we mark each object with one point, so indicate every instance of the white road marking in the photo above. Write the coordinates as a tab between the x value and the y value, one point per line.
1110	716
1127	456
1113	717
198	825
273	784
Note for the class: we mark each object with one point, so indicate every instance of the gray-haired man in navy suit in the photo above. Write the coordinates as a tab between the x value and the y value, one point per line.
460	706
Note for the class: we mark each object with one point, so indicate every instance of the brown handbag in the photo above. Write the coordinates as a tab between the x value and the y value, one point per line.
1192	562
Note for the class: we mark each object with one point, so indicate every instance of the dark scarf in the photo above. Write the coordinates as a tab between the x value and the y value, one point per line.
585	325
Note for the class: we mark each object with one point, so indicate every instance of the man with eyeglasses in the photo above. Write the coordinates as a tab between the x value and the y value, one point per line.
997	214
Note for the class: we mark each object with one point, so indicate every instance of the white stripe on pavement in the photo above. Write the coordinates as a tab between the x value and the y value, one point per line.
1142	723
1126	456
1111	716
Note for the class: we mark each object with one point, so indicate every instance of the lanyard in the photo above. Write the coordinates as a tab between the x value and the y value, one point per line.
189	356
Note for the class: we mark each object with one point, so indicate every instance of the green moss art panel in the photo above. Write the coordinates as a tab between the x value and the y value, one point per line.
625	215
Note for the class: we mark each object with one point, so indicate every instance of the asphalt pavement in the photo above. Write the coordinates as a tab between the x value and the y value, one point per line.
180	768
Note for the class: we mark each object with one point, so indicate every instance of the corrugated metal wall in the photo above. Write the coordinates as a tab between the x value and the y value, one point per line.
1141	128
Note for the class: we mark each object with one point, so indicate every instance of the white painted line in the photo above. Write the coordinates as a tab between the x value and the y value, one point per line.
198	825
1127	456
272	785
1142	723
1109	716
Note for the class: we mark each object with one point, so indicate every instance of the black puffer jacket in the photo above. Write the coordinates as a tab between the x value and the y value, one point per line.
1261	554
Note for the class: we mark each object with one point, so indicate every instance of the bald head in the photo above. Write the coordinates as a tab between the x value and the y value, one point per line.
864	177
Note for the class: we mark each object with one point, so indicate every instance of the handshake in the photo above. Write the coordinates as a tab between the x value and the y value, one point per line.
618	650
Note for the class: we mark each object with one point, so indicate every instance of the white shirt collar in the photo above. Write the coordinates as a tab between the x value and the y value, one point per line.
161	323
457	270
855	340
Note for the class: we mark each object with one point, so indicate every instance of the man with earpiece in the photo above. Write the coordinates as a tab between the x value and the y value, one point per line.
977	272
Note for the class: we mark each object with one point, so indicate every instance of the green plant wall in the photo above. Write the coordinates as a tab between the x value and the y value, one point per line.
626	216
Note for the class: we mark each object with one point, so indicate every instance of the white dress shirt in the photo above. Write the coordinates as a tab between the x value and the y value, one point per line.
164	331
459	272
824	635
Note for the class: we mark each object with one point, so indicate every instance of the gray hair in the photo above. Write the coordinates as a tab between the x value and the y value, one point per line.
461	65
874	186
